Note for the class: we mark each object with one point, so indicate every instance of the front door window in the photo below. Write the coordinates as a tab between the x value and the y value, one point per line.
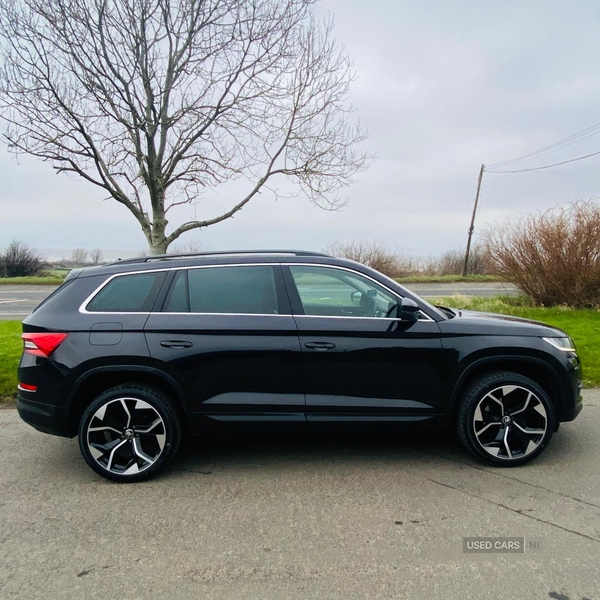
331	292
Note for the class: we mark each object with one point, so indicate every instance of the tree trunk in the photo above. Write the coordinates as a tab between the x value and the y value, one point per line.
158	247
158	243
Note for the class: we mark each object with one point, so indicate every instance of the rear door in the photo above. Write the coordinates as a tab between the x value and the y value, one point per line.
362	362
227	335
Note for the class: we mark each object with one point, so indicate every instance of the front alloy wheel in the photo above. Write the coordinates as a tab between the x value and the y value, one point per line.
506	419
129	433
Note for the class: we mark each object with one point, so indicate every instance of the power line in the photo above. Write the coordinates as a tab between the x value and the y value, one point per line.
564	162
568	141
555	149
564	143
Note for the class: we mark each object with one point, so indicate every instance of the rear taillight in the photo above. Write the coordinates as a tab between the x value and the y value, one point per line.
42	344
27	387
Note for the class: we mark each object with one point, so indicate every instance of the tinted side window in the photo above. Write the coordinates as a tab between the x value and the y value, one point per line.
177	299
128	293
249	290
332	292
57	293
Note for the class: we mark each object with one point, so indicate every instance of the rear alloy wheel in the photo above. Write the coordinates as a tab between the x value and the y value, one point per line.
506	419
129	433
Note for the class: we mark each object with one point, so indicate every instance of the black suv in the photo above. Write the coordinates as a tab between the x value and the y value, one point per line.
131	355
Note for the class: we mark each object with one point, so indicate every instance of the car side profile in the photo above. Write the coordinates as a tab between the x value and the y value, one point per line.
130	356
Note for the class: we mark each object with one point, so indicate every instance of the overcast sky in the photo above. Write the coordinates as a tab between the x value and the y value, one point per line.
442	87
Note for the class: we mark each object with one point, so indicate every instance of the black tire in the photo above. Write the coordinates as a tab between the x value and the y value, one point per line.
129	433
505	419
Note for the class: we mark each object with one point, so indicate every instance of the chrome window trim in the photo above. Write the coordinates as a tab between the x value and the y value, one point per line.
357	318
385	287
214	314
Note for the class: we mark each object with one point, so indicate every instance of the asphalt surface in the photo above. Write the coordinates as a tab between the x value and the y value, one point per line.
303	518
17	301
485	289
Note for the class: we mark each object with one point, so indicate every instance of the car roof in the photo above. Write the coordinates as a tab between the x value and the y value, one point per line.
171	261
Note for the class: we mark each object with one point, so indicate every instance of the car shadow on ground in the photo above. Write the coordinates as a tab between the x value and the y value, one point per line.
349	449
328	452
275	450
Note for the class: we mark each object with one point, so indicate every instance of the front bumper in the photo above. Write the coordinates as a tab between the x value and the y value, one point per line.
573	401
574	410
44	417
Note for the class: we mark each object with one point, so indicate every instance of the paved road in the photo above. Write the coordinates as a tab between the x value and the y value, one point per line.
302	519
17	301
486	289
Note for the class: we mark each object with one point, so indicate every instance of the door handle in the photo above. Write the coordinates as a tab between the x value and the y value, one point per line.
176	344
319	345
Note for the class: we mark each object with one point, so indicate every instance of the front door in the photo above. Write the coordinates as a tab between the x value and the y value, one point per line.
362	362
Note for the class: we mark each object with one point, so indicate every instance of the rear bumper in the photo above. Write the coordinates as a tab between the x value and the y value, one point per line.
44	417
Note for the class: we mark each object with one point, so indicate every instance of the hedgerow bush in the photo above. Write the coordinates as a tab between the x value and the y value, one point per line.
553	256
19	260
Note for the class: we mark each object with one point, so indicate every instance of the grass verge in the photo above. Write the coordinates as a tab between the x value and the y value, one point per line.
32	280
449	279
10	352
583	325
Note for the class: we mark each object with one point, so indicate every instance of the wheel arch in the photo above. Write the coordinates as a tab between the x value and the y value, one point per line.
540	371
100	379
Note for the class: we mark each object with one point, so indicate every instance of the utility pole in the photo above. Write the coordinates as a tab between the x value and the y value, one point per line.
473	221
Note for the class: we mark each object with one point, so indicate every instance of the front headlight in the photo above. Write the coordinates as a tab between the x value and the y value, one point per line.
565	344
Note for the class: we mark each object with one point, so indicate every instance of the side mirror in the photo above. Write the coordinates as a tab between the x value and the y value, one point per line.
408	309
355	298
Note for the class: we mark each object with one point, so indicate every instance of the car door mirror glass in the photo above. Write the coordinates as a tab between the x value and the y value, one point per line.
355	298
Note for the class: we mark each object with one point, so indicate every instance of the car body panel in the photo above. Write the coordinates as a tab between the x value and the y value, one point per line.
377	368
237	369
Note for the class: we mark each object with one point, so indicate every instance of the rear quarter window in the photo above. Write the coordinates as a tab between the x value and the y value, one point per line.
128	293
56	294
235	289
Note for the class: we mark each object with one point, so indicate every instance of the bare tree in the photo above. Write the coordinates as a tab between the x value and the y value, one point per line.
159	101
96	256
452	262
375	255
79	256
190	247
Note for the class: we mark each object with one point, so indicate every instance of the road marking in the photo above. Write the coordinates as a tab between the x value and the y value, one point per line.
13	300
